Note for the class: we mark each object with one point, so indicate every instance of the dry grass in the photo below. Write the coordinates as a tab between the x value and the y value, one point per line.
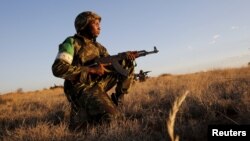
172	115
215	97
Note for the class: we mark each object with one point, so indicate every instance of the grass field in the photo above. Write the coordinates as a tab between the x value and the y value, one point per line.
181	105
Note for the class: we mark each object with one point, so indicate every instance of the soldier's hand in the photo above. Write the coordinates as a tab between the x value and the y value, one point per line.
99	69
131	55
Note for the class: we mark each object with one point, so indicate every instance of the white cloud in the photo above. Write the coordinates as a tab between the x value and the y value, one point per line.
215	39
235	27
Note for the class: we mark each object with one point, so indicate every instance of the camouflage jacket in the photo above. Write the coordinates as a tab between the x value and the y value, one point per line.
70	62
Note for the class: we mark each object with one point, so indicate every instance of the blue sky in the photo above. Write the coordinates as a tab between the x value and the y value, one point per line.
191	35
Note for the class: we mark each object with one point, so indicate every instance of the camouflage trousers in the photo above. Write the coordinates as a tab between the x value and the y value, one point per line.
94	105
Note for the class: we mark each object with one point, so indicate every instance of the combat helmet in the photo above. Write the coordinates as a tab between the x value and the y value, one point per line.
84	18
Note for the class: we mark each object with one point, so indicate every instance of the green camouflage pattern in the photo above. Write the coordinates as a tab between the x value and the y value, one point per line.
88	93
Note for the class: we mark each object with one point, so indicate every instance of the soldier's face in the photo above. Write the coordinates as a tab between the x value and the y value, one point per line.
95	28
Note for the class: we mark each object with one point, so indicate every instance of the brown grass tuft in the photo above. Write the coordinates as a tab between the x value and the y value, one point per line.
172	115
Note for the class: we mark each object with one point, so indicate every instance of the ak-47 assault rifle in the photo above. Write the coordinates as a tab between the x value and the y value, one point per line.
115	59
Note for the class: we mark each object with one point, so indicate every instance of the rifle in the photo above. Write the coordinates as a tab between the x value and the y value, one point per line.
115	59
146	72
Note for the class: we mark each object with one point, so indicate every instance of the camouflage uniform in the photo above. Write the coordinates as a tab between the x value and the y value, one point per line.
142	76
86	92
